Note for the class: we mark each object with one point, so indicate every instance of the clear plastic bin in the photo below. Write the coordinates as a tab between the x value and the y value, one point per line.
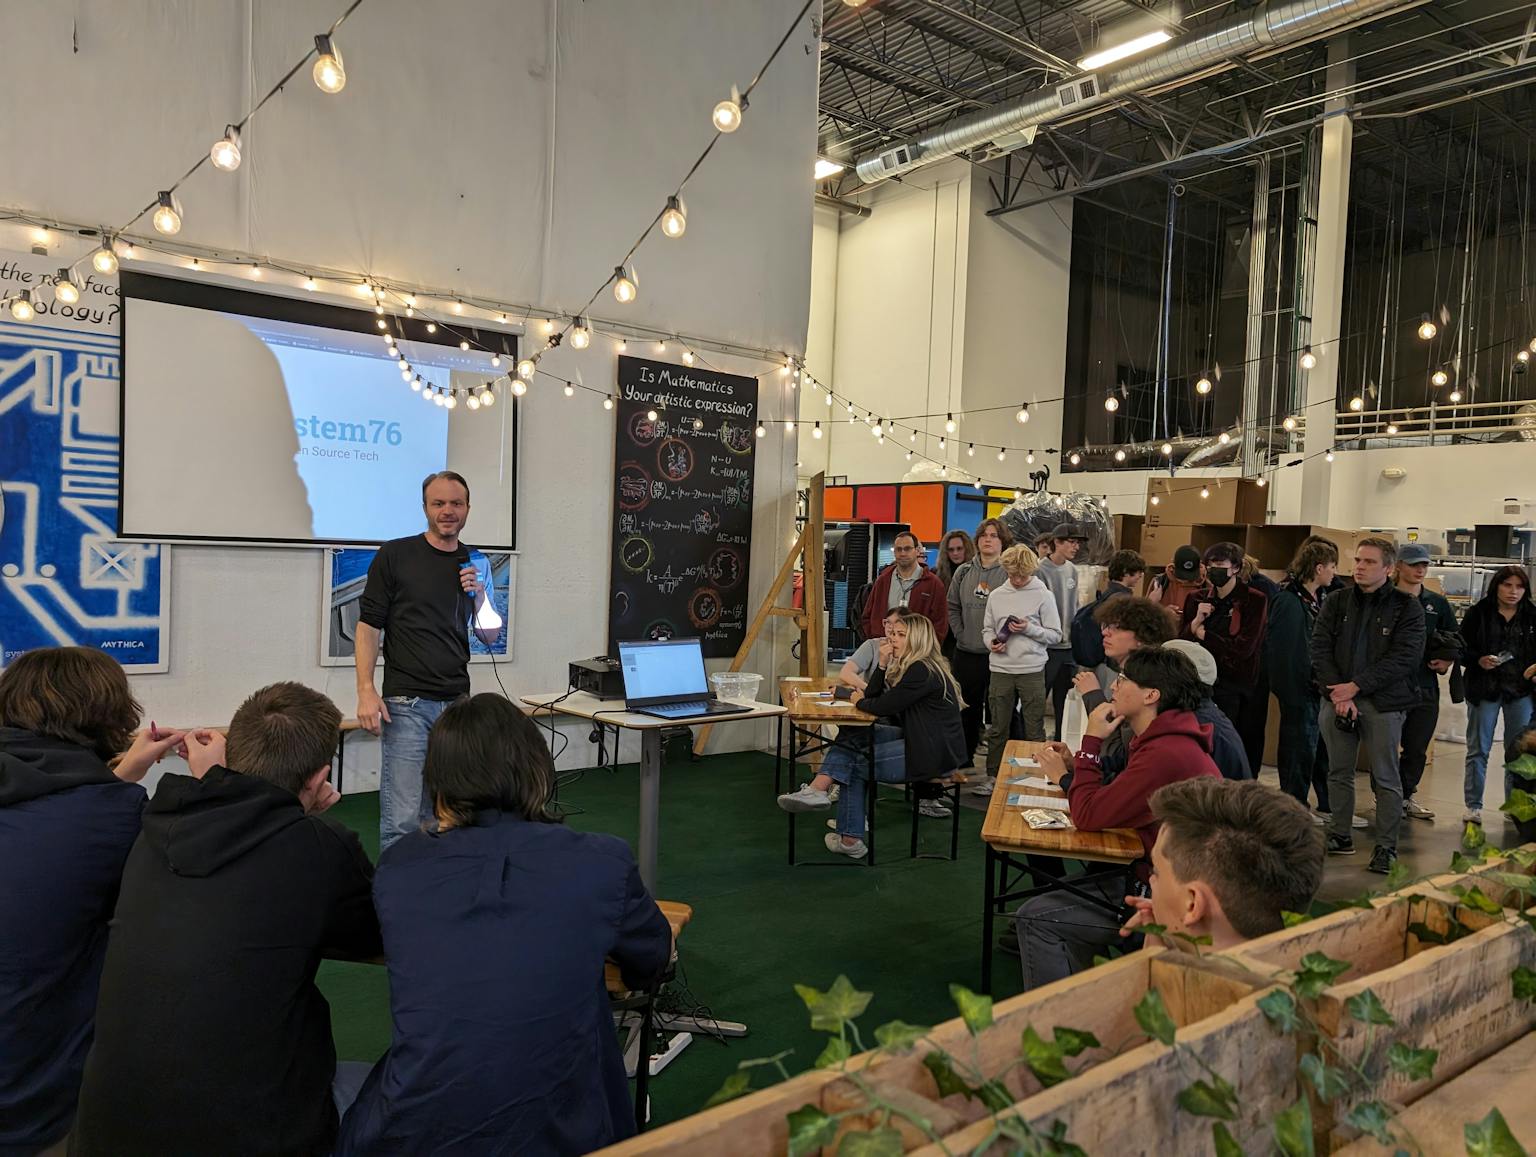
736	686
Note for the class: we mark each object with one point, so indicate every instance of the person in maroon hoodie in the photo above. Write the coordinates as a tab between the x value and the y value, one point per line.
909	583
1157	693
1229	621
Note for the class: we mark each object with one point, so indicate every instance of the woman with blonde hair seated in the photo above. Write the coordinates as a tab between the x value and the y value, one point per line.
915	691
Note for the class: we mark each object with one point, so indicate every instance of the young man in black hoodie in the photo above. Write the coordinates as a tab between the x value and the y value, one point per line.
211	1036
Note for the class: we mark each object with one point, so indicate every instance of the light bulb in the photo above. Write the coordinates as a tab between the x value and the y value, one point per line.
1427	329
1023	415
942	443
625	289
949	424
1533	345
1328	457
1224	437
487	396
547	326
431	327
416	385
495	359
1357	403
622	345
816	433
1002	455
943	471
458	306
608	402
879	430
1029	459
1154	500
329	73
66	290
405	375
569	391
912	435
104	261
472	402
1261	482
581	338
519	387
761	433
674	218
688	357
21	306
1289	423
525	368
1111	403
437	398
828	398
381	322
225	153
651	415
978	484
452	402
1076	459
971	450
464	345
309	284
1119	455
1205	492
1308	358
194	264
1439	378
1391	428
1018	496
789	425
167	218
1167	449
1456	394
501	317
661	347
256	271
1523	356
727	115
379	308
129	252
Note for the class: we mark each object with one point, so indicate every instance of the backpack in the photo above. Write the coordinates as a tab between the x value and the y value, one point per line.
1087	638
856	610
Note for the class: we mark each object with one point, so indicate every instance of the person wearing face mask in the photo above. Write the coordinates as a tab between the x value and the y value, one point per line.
1229	622
968	590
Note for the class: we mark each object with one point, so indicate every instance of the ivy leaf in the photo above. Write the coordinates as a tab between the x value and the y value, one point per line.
882	1142
1476	899
1428	935
1415	1064
1073	1041
1368	1009
1525	857
1317	972
1491	1137
1519	804
1098	960
1329	1082
1371	1117
754	1062
1196	941
834	1008
948	1081
995	1096
1290	920
1398	876
1519	881
1280	1007
898	1036
1153	929
836	1052
1226	1144
735	1085
1293	1130
1473	837
1044	1059
809	1130
975	1009
1204	1099
1525	983
1461	863
1152	1015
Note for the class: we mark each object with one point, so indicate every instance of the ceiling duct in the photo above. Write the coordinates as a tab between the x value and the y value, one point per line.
1275	26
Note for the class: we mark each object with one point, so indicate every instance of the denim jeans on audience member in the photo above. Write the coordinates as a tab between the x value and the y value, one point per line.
1482	721
401	806
848	765
1296	751
1060	933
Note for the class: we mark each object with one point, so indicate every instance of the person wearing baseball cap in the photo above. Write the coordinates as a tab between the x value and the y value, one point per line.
1058	572
1184	576
1226	745
1442	647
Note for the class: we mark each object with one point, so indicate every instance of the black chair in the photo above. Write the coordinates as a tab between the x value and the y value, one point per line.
946	788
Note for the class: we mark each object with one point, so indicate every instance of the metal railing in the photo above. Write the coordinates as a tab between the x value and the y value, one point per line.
1439	423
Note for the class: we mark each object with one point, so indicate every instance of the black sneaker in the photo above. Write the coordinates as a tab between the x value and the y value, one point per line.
1340	845
1382	860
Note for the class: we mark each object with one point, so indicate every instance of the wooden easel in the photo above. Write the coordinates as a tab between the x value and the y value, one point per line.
810	545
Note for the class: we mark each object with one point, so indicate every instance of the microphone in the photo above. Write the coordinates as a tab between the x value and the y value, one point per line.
462	560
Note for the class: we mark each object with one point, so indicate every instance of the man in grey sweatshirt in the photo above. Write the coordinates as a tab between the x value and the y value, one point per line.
1059	573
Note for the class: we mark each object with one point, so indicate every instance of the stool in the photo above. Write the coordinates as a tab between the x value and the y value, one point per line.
637	1045
945	786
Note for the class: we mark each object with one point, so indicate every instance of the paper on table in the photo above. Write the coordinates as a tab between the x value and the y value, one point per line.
1023	761
1045	802
1033	781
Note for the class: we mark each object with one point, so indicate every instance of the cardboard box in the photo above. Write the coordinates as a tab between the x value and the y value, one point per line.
1159	542
1239	500
1127	530
1276	545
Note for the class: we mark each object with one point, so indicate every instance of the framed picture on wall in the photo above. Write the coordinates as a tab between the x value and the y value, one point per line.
346	572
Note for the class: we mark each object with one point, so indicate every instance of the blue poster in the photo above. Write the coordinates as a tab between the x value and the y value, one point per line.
65	578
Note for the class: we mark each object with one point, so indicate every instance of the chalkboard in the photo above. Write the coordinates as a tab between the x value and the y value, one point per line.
682	505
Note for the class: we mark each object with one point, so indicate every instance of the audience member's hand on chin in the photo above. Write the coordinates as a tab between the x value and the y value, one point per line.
318	794
1101	721
145	752
1141	917
202	750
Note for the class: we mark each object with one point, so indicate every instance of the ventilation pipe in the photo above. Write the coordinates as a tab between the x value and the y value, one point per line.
1278	25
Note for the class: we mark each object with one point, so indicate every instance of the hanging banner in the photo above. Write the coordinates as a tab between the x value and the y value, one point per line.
682	505
65	578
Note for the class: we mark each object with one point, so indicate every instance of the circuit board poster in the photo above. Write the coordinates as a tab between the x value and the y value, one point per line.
682	505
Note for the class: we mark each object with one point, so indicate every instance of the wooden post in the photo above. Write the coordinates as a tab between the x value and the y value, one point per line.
813	642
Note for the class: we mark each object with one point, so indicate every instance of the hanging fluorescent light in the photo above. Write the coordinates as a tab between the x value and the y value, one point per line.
1132	47
826	168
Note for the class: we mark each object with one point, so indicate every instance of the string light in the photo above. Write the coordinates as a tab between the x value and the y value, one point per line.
626	285
569	391
674	218
828	398
1203	386
789	425
661	347
309	284
547	326
761	432
104	261
526	368
473	402
1456	394
464	345
1029	458
416	384
1357	403
1076	459
225	153
949	424
431	327
1328	457
1022	417
1167	449
495	359
1308	358
581	337
912	435
329	73
66	290
1439	378
622	345
453	401
1205	492
608	402
519	387
1261	482
488	396
688	357
1002	455
971	450
1427	329
816	433
1289	423
1111	403
167	218
1119	455
1224	438
942	443
1523	356
21	306
1154	500
1391	428
727	115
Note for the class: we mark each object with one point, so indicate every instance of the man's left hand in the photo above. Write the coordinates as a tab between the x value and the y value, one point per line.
1343	692
1439	666
1101	721
204	750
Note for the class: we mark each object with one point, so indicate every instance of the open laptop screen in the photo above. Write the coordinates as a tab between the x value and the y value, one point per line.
666	670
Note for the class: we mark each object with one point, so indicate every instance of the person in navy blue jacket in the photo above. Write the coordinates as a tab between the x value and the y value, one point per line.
67	820
496	928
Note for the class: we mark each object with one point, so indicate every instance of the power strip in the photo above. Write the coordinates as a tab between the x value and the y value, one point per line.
676	1045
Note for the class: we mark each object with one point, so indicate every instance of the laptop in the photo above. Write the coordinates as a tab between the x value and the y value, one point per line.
665	678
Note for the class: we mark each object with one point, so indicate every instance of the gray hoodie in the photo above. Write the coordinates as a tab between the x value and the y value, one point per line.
1063	583
968	592
1034	607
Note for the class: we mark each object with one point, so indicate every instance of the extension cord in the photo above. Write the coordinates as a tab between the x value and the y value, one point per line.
676	1045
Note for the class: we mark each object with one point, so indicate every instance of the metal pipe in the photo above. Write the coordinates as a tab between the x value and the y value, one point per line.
852	208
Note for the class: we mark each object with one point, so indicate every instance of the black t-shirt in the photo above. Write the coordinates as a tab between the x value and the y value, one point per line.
414	596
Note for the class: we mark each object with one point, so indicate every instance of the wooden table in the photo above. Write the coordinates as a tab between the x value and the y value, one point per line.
1006	835
807	710
583	705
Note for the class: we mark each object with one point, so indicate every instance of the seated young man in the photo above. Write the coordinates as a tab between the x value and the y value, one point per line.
1156	694
1226	744
211	1036
1229	859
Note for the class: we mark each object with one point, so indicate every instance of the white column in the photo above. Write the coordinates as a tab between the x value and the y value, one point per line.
1328	285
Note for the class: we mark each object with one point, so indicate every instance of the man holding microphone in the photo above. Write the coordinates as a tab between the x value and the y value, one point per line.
423	594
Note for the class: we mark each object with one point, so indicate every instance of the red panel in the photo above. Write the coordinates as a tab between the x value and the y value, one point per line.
922	508
837	503
876	503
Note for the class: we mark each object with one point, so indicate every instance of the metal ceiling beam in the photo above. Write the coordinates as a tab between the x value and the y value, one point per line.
854	58
1023	47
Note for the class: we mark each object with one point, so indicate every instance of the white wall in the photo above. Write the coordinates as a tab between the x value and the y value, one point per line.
505	151
1446	486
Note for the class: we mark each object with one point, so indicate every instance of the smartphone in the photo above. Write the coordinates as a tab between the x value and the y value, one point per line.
844	693
1503	657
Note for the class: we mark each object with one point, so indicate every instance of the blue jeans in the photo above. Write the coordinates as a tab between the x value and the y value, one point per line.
402	810
847	762
1482	720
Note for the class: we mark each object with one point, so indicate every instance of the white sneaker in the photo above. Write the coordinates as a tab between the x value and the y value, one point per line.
834	791
1359	823
933	809
1321	819
856	850
807	799
1472	816
982	786
1415	810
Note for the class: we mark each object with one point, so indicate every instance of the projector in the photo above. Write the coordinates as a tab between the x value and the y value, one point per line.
598	676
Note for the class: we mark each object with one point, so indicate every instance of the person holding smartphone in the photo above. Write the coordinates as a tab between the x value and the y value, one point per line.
1500	634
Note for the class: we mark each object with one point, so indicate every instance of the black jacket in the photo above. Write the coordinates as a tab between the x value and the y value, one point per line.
1487	633
1394	634
1288	644
928	713
66	824
211	1036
